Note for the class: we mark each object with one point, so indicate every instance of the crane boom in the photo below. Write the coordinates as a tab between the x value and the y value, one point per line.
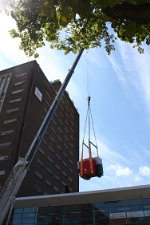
20	169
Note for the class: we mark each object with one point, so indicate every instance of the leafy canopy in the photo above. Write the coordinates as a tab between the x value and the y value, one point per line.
71	25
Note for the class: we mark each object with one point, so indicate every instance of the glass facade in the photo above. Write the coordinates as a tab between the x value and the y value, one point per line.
133	211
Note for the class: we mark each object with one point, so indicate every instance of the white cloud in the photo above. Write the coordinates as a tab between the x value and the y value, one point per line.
144	171
120	170
137	178
4	4
132	70
9	48
110	156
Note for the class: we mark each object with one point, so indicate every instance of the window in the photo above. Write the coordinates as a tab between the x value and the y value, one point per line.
48	183
19	83
50	148
58	157
49	171
70	170
66	146
63	183
65	164
44	141
40	162
48	103
65	154
70	161
71	153
39	175
59	138
70	179
24	216
4	157
61	131
53	129
72	138
37	188
7	132
45	109
2	172
48	94
12	110
21	75
15	100
59	147
50	159
72	122
9	121
17	91
56	188
54	121
41	151
57	178
57	166
64	173
71	144
72	130
6	144
4	82
66	137
60	120
51	138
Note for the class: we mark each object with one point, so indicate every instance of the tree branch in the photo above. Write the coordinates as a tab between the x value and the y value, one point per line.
136	13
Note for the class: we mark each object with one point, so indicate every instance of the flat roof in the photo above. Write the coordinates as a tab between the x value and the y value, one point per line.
135	192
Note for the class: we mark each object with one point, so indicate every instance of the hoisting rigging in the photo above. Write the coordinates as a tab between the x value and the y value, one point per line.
90	166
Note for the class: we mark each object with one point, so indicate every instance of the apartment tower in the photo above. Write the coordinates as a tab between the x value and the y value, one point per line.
25	97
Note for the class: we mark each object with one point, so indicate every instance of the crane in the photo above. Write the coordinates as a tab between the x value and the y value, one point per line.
20	169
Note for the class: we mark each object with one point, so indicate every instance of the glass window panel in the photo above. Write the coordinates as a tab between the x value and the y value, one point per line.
102	207
135	214
133	202
146	205
146	201
28	220
147	212
18	210
4	82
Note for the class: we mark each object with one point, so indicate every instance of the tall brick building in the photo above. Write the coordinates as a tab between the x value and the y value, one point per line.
25	97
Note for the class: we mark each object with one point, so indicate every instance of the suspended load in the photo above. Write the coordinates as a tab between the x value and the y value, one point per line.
91	166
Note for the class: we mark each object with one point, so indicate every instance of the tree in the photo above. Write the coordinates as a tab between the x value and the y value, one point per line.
71	25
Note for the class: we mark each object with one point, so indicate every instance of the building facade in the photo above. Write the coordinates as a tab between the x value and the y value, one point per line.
108	207
25	97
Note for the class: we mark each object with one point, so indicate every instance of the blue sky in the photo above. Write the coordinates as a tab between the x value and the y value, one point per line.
120	102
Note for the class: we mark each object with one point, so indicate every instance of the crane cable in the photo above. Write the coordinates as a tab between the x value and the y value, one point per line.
89	116
89	120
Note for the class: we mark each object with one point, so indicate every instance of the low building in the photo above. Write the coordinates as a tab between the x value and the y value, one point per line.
113	206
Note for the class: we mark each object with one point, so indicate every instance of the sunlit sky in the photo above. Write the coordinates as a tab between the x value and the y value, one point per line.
119	86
